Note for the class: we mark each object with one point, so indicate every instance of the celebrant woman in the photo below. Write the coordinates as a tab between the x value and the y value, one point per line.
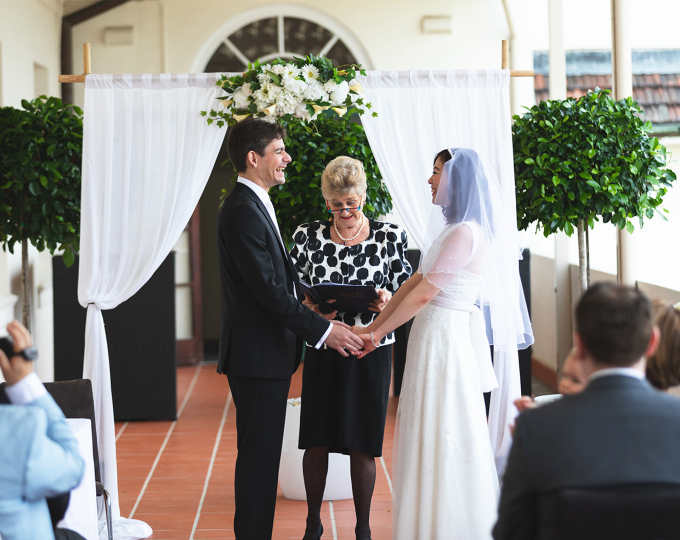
344	399
445	482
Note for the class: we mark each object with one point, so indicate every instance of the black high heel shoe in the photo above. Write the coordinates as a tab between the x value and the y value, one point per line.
317	537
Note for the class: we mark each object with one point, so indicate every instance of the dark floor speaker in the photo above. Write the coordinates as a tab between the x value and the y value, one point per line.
141	339
525	354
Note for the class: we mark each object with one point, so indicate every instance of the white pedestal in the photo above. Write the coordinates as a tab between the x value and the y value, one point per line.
338	481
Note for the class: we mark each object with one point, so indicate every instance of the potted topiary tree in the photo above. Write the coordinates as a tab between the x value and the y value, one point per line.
579	160
40	160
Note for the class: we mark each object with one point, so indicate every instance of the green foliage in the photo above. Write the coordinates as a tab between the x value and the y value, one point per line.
299	200
40	156
587	158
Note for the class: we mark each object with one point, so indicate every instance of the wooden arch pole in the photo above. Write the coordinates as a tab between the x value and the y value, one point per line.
505	62
87	68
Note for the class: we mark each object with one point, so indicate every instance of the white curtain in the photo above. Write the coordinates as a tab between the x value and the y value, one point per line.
419	114
147	155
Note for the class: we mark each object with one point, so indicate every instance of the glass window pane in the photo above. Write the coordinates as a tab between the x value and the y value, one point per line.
257	39
340	55
304	37
224	61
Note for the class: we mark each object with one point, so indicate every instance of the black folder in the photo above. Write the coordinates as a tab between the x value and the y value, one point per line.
348	298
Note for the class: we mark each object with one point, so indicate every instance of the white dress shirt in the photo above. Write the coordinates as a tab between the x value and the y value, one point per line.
625	371
264	197
26	391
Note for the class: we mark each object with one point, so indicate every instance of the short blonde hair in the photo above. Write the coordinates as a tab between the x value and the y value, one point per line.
342	176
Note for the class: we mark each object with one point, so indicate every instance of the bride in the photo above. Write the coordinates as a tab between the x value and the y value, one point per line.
445	481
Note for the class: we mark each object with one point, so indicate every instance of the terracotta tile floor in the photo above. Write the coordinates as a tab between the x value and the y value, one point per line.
179	476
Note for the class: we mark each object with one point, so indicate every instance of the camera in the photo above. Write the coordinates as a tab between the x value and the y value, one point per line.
7	346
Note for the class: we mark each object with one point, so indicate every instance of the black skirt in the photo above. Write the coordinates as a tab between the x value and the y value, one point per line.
344	400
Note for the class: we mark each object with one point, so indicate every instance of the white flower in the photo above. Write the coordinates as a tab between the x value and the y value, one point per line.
291	71
286	103
339	95
330	85
241	100
270	119
278	69
264	78
267	94
266	67
246	90
294	86
302	112
310	72
314	91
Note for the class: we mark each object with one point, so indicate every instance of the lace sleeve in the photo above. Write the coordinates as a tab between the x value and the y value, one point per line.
448	256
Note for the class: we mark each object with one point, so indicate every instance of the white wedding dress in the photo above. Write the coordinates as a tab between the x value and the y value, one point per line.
445	482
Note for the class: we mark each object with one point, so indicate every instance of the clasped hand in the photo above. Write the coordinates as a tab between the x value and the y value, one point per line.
365	336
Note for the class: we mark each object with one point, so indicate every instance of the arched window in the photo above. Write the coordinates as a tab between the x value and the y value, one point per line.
281	36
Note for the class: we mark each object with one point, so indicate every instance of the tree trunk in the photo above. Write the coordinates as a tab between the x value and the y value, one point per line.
588	255
582	256
25	284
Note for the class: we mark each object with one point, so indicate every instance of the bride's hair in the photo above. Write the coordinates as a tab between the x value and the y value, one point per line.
464	195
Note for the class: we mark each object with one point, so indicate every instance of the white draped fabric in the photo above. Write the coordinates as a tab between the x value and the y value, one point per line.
147	155
421	113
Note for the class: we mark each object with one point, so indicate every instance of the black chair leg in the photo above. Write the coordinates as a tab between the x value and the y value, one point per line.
109	519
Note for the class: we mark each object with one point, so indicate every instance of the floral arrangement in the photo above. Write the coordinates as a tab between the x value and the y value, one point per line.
285	91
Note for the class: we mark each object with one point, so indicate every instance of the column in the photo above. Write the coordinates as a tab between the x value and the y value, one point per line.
558	90
622	80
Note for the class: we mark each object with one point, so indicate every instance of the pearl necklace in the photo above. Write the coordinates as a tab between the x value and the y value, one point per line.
345	240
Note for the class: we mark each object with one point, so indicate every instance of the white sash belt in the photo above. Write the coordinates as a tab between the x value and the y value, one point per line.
480	343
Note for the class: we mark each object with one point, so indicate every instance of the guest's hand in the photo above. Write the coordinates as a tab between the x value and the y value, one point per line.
379	304
308	302
16	368
368	345
524	403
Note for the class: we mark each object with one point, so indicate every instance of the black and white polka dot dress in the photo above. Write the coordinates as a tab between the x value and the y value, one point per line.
344	399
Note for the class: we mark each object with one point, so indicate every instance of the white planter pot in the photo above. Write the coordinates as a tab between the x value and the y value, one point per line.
338	481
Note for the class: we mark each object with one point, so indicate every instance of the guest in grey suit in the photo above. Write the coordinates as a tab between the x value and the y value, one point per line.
618	432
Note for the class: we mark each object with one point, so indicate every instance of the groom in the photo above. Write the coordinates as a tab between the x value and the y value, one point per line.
263	322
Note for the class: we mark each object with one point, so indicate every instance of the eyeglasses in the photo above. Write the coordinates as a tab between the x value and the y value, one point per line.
341	210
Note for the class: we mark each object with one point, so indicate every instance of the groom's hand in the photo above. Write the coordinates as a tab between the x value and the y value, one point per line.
343	340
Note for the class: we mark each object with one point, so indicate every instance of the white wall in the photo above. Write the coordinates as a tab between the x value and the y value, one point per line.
30	33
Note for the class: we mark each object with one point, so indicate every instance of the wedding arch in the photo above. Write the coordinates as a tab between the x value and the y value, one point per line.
144	171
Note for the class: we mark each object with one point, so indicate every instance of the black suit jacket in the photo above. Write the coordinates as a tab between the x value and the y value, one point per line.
263	324
619	431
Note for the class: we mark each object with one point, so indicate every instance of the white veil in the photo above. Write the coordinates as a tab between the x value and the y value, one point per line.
469	191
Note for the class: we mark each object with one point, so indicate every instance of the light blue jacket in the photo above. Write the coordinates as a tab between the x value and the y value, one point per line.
39	458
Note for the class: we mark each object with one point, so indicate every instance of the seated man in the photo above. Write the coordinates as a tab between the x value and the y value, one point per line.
39	455
618	431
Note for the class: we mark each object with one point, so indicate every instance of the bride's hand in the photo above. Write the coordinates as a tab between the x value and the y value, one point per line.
358	330
368	346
